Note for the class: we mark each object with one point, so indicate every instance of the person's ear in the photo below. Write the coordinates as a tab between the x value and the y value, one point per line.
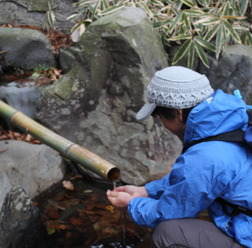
180	115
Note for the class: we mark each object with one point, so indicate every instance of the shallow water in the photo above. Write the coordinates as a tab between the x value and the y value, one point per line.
113	244
83	217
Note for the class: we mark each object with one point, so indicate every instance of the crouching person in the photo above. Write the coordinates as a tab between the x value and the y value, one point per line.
207	175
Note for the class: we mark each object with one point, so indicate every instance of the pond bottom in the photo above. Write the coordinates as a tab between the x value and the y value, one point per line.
83	218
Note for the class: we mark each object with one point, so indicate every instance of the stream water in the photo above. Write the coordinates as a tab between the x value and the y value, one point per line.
83	218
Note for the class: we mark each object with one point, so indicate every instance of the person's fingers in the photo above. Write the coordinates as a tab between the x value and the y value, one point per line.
121	189
111	199
112	193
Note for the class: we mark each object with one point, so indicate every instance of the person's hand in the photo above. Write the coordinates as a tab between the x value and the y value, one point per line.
121	196
119	199
132	190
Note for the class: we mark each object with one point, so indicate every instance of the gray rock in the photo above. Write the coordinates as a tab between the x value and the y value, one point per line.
67	58
32	12
95	103
25	48
34	167
23	99
233	71
20	222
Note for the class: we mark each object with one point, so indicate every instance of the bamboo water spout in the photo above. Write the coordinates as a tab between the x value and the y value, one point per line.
65	147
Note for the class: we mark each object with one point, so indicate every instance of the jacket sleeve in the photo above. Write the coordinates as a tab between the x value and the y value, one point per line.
156	188
190	187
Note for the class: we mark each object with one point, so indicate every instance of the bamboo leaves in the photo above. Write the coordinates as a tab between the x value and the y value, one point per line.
211	28
111	10
219	41
205	44
228	27
211	32
243	6
201	53
189	3
176	22
197	26
182	51
191	56
192	46
50	16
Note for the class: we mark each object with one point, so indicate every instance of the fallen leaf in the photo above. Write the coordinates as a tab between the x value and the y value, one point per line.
67	203
68	185
52	212
110	208
63	227
54	224
87	191
51	231
28	137
75	221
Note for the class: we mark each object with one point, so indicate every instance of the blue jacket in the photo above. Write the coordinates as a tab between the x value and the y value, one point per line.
204	172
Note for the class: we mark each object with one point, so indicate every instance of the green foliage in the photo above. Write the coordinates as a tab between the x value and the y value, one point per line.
41	68
196	26
50	17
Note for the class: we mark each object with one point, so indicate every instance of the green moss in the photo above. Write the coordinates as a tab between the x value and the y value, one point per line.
41	5
64	87
33	5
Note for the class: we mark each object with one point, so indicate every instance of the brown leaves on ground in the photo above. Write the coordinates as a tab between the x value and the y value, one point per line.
85	214
12	135
56	38
43	77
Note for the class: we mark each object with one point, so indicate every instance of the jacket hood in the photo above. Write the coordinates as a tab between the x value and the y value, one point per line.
218	114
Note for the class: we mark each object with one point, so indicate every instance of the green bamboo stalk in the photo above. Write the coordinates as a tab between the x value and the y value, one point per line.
65	147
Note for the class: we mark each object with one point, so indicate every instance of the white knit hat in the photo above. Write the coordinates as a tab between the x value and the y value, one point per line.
175	87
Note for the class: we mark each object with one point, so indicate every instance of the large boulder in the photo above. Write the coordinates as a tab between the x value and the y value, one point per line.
34	167
95	103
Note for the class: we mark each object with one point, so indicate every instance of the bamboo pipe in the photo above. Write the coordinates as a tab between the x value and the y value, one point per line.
65	147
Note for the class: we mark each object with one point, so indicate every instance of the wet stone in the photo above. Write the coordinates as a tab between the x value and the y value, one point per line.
20	222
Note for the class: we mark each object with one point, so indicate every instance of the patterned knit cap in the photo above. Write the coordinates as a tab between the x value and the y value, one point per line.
175	87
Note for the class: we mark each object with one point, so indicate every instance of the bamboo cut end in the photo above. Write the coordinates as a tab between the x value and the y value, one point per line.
113	174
